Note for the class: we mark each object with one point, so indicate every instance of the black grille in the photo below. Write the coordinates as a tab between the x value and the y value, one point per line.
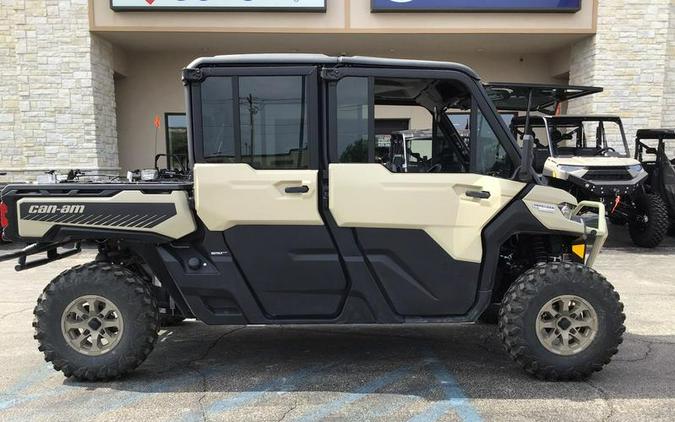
608	174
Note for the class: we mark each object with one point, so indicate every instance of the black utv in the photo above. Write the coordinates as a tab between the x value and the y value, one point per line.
287	215
661	168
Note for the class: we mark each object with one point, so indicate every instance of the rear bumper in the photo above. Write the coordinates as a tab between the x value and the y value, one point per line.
51	249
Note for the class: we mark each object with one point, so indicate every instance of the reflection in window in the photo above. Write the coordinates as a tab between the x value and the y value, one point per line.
352	120
273	121
217	119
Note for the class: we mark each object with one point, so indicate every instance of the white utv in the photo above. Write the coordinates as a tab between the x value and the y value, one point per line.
288	216
587	156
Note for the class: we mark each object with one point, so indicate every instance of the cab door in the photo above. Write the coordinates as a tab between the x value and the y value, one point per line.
256	181
419	231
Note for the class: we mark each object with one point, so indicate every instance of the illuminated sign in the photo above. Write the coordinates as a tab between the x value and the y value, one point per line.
475	5
229	5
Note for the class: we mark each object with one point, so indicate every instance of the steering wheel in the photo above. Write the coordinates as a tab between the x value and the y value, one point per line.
436	168
604	150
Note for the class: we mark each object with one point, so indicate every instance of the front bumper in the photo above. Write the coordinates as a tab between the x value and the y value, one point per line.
594	228
608	189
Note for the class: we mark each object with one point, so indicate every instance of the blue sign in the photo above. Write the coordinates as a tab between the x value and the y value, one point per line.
475	5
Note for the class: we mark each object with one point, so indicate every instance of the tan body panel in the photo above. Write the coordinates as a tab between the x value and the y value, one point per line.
174	227
369	195
542	201
227	195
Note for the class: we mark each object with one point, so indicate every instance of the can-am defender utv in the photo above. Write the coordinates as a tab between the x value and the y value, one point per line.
587	156
289	217
660	167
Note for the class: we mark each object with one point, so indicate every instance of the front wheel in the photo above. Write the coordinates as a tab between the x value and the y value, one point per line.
650	223
96	321
561	321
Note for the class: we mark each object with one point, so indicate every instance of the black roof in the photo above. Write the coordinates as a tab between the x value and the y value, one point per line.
321	59
514	96
656	133
565	119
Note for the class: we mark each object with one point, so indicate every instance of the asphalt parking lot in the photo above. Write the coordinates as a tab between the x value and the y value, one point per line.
421	373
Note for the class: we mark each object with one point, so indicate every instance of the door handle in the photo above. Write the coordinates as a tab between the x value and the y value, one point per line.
297	189
483	194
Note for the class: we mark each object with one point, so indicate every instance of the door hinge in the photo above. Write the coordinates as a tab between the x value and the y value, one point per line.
331	74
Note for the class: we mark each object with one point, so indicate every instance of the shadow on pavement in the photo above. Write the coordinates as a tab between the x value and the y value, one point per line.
195	357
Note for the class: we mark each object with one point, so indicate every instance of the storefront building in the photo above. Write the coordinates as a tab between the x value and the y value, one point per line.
95	85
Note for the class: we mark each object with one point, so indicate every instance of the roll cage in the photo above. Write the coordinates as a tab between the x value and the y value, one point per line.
551	124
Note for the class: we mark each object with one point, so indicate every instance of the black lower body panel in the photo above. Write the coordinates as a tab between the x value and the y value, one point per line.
417	275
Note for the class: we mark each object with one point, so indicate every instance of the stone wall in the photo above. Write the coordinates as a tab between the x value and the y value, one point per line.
630	58
669	94
58	107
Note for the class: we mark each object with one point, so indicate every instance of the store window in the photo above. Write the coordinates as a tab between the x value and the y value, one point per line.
176	140
273	122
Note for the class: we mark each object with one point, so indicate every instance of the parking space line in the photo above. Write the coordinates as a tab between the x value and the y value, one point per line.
259	390
35	376
454	398
360	393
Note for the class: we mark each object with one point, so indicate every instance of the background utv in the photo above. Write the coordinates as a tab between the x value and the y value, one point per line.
289	216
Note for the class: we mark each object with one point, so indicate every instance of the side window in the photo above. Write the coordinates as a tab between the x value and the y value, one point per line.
439	138
176	140
218	120
353	120
265	125
492	158
273	122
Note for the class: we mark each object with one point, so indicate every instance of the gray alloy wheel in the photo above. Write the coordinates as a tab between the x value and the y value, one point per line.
92	325
567	325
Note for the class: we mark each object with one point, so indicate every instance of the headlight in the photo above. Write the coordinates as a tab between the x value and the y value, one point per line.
635	168
570	169
566	209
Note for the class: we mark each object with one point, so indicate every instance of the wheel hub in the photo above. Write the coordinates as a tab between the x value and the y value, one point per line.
566	325
92	325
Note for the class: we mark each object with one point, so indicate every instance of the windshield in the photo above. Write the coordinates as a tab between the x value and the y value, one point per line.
568	137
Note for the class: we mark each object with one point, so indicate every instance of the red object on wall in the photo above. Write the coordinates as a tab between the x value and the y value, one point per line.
157	121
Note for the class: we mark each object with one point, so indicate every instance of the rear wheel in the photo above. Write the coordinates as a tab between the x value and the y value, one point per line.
561	321
650	223
96	321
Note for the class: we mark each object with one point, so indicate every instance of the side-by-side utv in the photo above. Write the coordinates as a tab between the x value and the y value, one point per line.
655	160
587	156
289	215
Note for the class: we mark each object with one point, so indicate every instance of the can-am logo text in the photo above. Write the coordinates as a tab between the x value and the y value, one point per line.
51	209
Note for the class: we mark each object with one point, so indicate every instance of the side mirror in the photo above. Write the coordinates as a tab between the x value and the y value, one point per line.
527	158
